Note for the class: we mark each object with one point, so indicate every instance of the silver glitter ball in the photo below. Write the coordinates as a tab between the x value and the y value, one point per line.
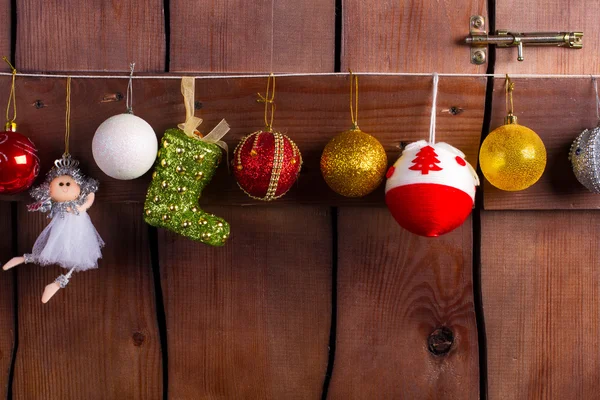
584	154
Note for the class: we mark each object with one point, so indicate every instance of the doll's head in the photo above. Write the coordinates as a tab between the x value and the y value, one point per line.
64	188
64	184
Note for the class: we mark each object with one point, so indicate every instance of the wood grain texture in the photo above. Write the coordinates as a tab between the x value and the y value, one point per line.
540	290
265	35
7	304
98	337
550	16
394	290
311	110
558	110
408	36
5	32
90	35
250	320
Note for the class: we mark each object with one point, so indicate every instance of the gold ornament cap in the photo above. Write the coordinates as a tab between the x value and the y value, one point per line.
510	119
11	126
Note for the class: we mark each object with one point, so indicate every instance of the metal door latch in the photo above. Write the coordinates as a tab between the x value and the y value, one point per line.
479	39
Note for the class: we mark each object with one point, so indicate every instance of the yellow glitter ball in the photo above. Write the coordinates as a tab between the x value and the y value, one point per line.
353	163
512	157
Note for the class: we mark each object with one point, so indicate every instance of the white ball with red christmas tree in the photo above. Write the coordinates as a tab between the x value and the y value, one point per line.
430	190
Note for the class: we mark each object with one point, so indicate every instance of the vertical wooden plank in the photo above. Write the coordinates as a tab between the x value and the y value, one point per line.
7	310
7	317
540	284
250	320
550	16
90	35
252	317
394	290
266	35
6	32
97	338
409	36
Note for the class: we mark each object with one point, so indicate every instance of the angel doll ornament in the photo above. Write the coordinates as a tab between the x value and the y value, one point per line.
70	240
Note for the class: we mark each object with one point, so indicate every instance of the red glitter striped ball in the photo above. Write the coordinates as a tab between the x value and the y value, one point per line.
266	164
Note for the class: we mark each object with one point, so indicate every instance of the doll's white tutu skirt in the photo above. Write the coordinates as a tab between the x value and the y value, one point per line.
70	241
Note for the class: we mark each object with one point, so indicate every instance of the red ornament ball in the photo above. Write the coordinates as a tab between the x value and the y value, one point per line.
430	190
266	165
19	162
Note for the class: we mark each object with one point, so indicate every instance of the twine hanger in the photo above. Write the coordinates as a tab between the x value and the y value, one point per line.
433	120
10	123
68	117
354	100
269	100
129	98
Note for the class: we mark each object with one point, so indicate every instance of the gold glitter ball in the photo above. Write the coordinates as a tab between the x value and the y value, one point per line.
512	157
163	162
353	163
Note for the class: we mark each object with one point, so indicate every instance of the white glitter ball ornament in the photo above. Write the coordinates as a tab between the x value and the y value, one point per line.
124	147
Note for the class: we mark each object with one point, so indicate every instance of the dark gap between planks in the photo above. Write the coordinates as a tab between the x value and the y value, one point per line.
161	318
337	60
477	287
13	223
334	283
167	14
15	250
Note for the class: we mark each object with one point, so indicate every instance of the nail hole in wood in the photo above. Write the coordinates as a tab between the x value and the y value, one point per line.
198	105
440	341
39	104
455	110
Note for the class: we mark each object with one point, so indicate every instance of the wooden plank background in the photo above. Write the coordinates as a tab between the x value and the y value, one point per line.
230	36
7	311
550	16
7	305
538	278
103	327
250	320
409	36
90	35
540	291
260	308
390	296
395	289
253	319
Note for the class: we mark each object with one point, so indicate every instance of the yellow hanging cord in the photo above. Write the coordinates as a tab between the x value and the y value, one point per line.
68	117
354	99
11	98
268	100
510	87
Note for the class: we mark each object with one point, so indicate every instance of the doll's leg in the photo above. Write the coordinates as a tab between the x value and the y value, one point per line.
59	283
13	262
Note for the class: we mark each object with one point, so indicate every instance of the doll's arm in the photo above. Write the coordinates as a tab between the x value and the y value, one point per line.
89	200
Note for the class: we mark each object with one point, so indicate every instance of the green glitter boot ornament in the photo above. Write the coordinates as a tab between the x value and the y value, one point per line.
186	163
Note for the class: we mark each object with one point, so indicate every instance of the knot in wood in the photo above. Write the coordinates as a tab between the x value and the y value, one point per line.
440	341
138	339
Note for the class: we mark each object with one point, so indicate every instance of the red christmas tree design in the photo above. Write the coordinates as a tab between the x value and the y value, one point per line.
426	161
